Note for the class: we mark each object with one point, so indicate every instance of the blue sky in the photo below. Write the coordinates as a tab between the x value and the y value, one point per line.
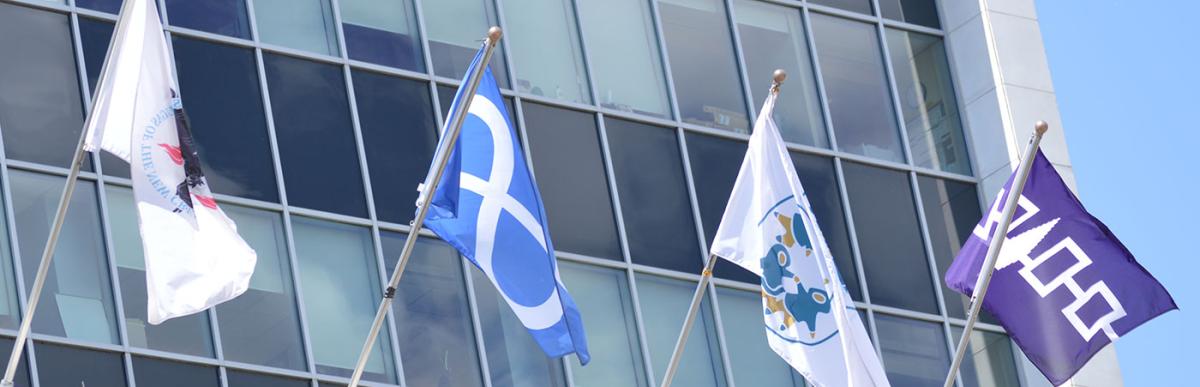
1127	76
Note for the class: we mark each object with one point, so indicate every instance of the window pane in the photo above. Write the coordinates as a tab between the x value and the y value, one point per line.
927	99
262	326
300	24
41	111
78	300
861	107
110	6
514	358
715	165
654	197
603	296
249	379
772	38
546	50
860	6
889	238
817	175
706	75
188	334
382	32
626	64
312	117
399	136
156	372
219	87
456	29
914	352
752	360
922	12
225	17
565	149
952	210
59	365
10	309
664	306
432	317
21	379
341	291
94	36
990	361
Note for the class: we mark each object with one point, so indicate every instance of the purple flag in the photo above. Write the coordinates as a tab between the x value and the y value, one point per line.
1064	286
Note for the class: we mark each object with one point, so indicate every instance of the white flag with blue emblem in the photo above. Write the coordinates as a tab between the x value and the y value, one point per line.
769	229
488	207
194	256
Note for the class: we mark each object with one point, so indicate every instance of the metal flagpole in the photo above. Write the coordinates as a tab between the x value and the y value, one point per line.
993	252
60	215
450	131
705	277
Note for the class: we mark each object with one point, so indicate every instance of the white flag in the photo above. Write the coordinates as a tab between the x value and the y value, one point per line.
769	229
194	256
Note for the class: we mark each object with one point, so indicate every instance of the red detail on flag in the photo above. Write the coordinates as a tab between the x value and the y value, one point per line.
207	201
174	152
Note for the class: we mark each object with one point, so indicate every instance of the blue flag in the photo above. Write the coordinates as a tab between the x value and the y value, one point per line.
1064	286
488	207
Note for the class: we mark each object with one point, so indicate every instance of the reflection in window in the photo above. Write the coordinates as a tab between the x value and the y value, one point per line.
889	238
456	30
312	117
817	176
545	49
565	149
341	289
224	17
952	210
300	24
603	297
399	136
922	12
623	46
188	334
155	372
706	75
220	91
382	32
927	99
861	107
654	197
249	379
77	302
989	361
860	6
772	38
514	358
262	326
752	360
59	365
41	111
664	306
433	322
914	352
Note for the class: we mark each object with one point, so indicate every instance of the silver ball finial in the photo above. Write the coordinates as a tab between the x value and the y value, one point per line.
494	33
1041	127
779	75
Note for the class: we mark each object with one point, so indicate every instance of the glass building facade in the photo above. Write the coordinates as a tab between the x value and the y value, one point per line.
316	120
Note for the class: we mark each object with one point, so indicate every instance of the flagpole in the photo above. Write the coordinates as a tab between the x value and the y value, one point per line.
993	252
705	277
450	131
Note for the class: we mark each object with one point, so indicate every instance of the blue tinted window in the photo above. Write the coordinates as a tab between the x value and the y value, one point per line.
820	183
312	117
382	32
922	12
700	46
399	136
59	365
604	299
248	379
654	197
220	91
565	149
110	6
22	377
715	164
664	304
514	359
155	372
750	357
94	35
225	17
860	6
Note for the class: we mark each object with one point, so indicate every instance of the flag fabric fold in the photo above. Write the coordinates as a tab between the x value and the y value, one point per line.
488	207
194	257
1064	287
769	229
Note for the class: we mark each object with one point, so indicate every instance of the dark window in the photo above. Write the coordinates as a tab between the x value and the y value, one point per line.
399	136
249	379
570	173
889	238
225	17
156	372
41	111
654	197
922	12
22	377
59	365
700	46
820	183
110	6
220	91
382	32
95	36
316	139
951	210
715	165
860	6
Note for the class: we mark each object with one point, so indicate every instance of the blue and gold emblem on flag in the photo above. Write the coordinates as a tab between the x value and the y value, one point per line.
795	301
